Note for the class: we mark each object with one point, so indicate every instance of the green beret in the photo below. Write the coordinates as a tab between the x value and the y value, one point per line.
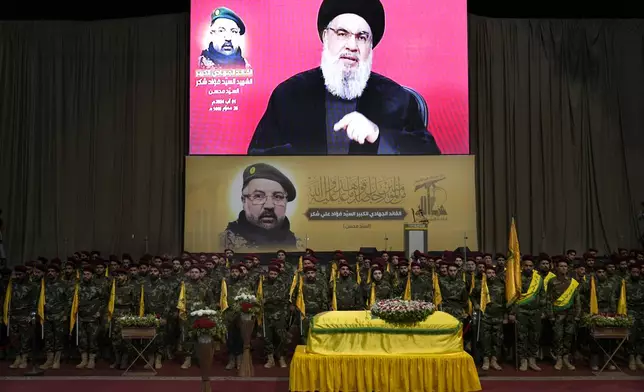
226	13
370	10
268	172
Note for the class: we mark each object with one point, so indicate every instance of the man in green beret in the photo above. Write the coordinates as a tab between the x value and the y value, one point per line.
226	35
265	195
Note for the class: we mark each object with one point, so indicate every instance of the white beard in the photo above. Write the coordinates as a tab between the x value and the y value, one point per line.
346	83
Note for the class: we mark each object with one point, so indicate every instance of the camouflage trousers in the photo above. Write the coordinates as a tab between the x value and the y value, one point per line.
563	333
636	339
171	334
528	334
56	330
188	342
88	336
491	336
21	333
275	336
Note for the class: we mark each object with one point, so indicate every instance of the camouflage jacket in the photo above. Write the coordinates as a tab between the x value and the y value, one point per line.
556	287
197	295
455	295
126	298
382	290
348	294
606	295
24	298
276	299
421	288
92	301
635	296
158	297
58	299
496	307
316	297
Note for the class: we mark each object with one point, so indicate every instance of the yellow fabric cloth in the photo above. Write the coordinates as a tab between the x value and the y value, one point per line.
358	333
385	373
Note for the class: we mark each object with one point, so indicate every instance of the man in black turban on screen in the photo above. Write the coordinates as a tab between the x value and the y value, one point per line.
342	107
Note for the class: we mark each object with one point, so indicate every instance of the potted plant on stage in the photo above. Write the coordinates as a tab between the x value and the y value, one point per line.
249	308
208	329
139	327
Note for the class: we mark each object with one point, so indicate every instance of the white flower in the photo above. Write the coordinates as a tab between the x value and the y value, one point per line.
200	313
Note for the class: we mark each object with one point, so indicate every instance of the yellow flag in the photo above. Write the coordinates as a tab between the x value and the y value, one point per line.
142	302
181	303
299	265
485	294
223	297
358	277
299	304
594	306
74	312
112	301
6	307
388	265
334	271
107	272
369	277
334	297
260	299
372	295
621	303
41	301
227	263
293	286
407	294
77	274
438	297
513	267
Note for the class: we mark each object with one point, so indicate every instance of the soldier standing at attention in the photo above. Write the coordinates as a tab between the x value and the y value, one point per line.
92	299
421	284
635	309
24	295
347	290
527	312
276	301
197	296
379	286
316	298
157	299
606	290
58	300
454	292
125	304
564	311
493	318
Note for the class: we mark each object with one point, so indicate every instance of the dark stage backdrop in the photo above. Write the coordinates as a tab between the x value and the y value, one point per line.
93	132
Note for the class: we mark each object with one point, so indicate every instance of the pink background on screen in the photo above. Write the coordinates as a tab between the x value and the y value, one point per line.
424	47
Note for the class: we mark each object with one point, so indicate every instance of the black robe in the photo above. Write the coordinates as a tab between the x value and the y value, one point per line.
295	119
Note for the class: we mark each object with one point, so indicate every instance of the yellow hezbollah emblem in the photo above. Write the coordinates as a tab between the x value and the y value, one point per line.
252	170
217	12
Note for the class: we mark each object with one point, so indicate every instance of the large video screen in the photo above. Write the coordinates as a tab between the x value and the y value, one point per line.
332	77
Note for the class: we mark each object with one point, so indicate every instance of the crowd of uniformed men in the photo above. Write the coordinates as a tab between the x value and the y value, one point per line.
545	324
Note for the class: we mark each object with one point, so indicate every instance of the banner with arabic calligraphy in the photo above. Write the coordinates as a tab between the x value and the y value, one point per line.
241	50
327	203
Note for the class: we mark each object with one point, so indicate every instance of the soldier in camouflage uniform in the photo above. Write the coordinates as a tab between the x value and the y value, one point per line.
454	292
125	304
157	300
316	298
236	284
92	299
564	312
399	278
197	296
172	322
528	312
421	284
58	300
606	290
276	303
635	309
381	287
23	302
492	319
347	291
